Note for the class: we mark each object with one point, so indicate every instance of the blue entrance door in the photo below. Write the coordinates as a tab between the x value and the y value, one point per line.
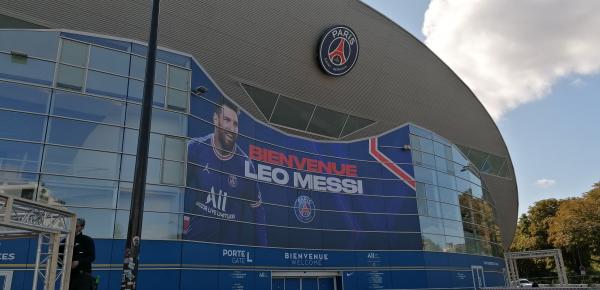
292	283
303	283
310	284
278	284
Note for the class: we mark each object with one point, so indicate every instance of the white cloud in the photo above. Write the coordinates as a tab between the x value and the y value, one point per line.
544	182
512	52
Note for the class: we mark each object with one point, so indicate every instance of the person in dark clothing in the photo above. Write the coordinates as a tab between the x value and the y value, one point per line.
84	253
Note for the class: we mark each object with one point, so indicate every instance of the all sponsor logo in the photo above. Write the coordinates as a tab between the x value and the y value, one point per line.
304	208
338	50
216	204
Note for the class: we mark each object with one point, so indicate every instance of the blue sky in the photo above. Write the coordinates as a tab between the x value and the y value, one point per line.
551	122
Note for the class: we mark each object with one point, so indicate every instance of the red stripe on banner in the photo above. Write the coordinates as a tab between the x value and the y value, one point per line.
390	165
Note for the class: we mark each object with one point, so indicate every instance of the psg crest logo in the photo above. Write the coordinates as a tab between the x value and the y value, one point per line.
304	208
338	50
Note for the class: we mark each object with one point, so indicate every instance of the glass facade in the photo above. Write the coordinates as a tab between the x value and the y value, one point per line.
455	209
301	116
74	109
74	114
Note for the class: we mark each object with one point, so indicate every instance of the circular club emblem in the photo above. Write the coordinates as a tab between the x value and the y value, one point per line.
304	208
338	50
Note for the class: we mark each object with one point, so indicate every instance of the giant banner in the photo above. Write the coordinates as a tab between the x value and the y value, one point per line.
250	184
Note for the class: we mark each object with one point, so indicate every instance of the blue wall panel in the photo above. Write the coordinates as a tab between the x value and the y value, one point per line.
199	279
159	279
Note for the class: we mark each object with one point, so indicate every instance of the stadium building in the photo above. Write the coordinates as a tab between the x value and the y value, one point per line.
295	145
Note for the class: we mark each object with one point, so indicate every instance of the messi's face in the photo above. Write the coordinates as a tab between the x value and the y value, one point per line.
226	129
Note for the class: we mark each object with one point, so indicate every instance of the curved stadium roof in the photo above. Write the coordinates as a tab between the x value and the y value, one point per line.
272	46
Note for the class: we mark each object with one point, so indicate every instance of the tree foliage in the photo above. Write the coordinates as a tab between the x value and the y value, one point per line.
573	225
577	223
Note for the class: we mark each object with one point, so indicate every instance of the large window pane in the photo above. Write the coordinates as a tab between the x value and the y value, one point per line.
327	122
172	172
177	100
426	145
169	123
131	139
441	164
87	108
135	93
84	134
446	180
138	67
421	193
77	191
70	77
455	244
152	173
448	196
156	226
99	223
75	53
453	228
179	78
23	97
425	175
80	162
422	206
157	198
106	84
420	132
433	242
431	225
26	69
109	60
138	70
451	212
22	126
433	192
132	119
264	100
440	149
434	209
18	184
42	44
428	160
19	156
354	124
292	113
174	148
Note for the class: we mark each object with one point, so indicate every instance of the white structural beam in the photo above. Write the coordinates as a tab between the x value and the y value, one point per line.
55	229
511	258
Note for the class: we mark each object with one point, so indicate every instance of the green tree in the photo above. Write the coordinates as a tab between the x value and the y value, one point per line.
532	234
572	225
576	226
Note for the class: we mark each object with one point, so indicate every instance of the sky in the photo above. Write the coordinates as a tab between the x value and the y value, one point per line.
535	66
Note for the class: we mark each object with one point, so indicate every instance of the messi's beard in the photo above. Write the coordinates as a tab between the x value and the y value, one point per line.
227	144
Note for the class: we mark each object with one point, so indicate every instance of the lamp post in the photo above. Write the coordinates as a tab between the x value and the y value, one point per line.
136	213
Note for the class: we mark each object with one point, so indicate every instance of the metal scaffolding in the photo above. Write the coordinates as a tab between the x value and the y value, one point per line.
510	258
55	232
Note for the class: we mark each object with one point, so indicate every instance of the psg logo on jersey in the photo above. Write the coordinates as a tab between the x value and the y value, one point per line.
338	50
304	208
